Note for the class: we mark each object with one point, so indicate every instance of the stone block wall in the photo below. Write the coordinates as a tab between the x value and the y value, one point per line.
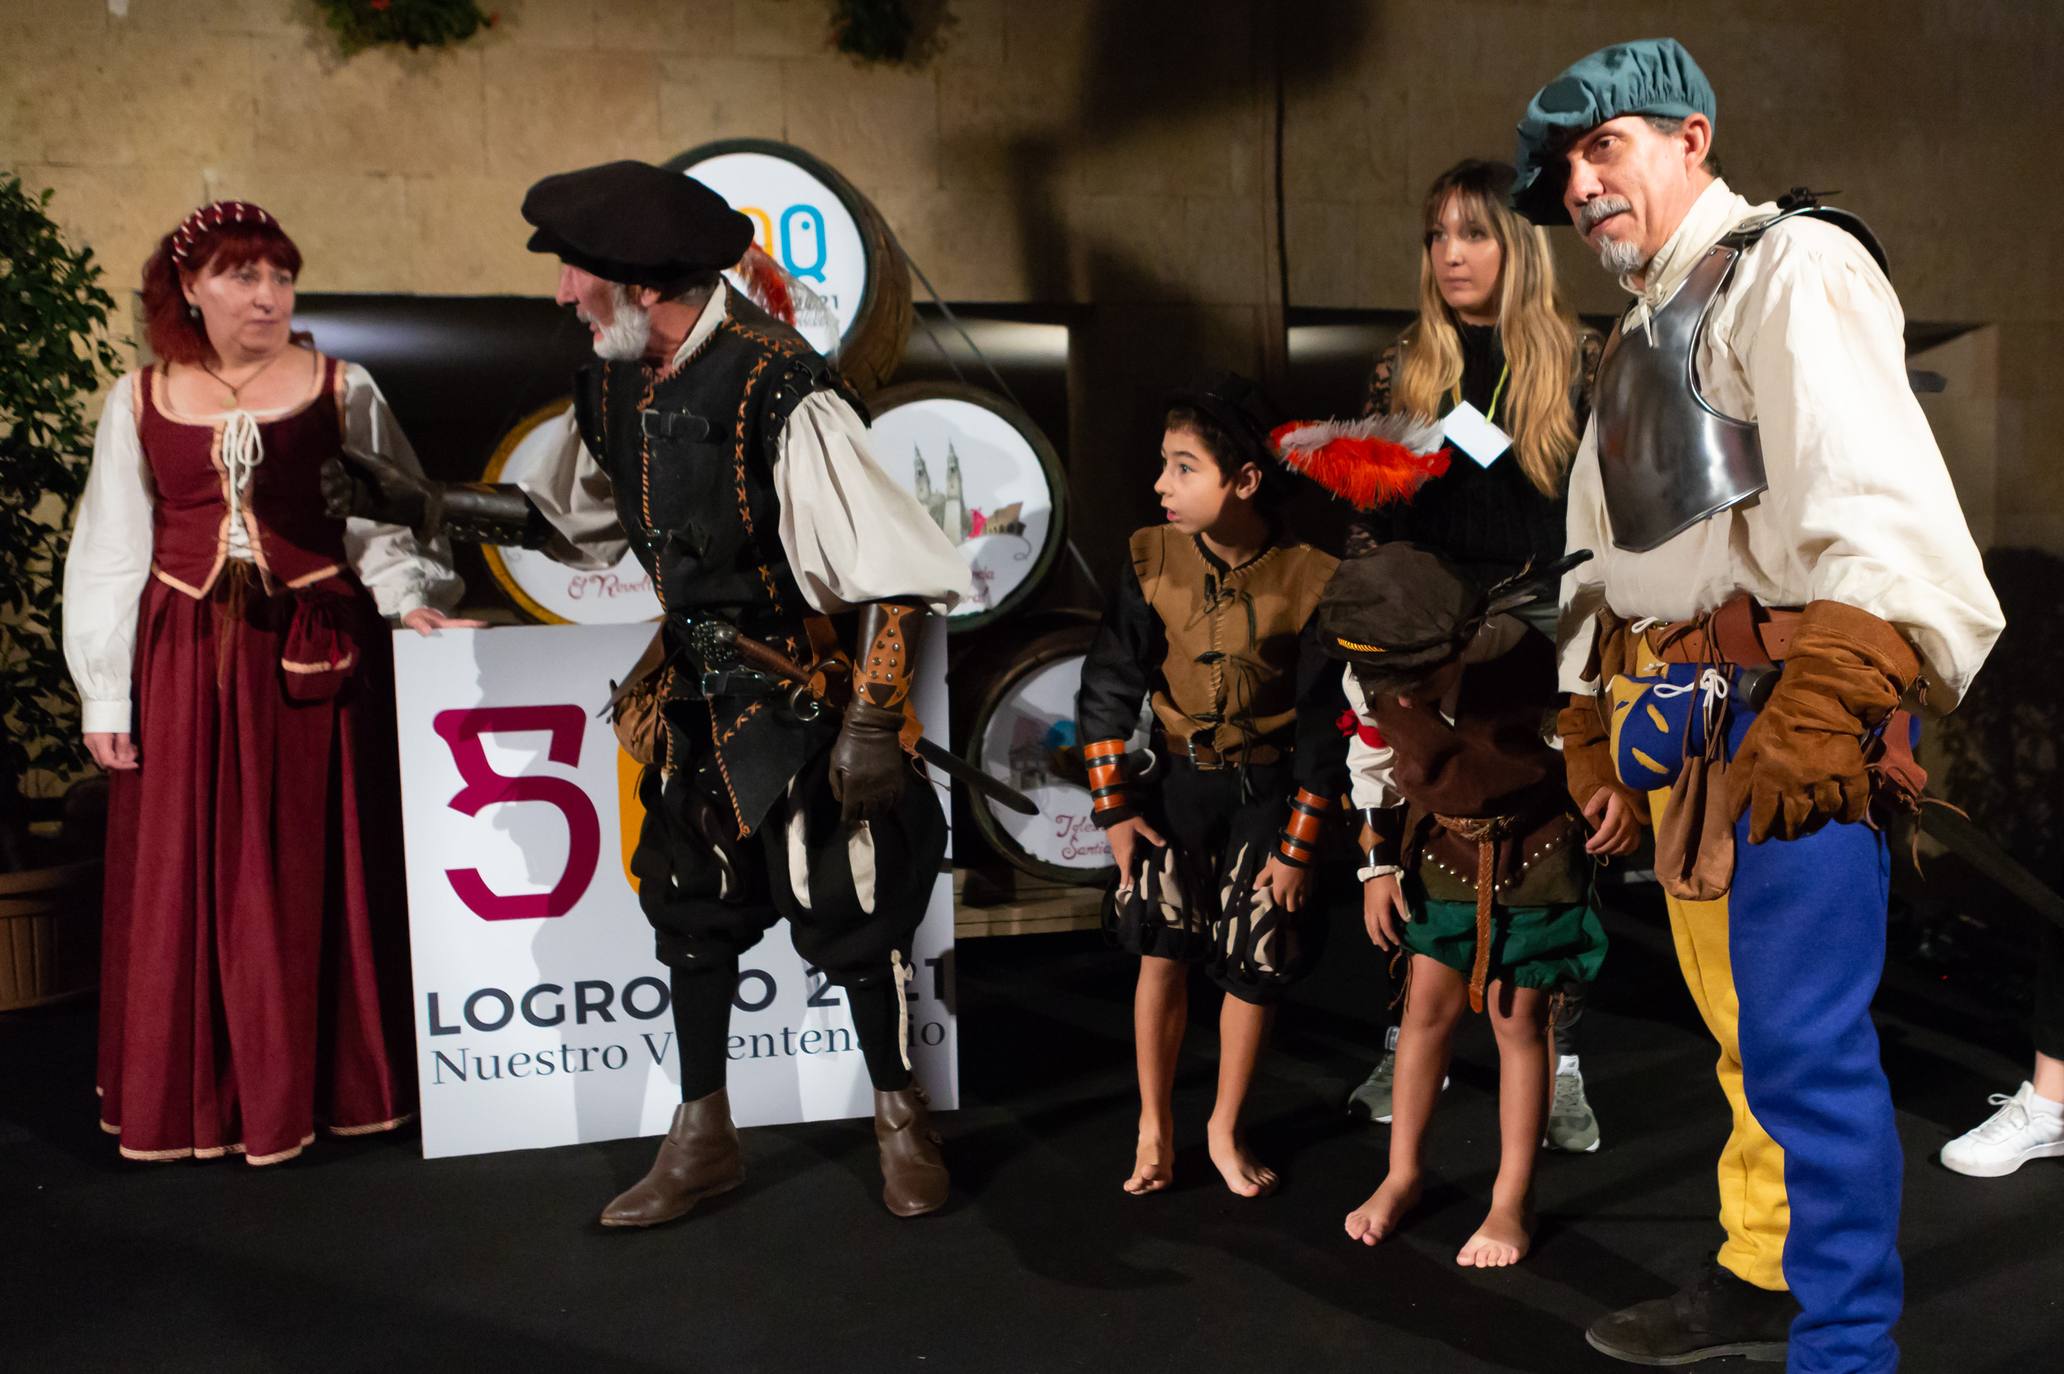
1112	153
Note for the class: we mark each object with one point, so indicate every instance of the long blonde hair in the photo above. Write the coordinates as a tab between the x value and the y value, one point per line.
1538	330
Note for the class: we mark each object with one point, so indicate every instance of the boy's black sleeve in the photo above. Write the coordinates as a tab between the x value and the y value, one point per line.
1321	766
1123	660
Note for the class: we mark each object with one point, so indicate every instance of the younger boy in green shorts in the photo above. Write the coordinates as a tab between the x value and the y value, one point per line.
1476	860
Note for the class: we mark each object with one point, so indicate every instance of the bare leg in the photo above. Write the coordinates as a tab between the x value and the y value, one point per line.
1160	1012
1242	1027
2048	1077
1519	1016
1426	1034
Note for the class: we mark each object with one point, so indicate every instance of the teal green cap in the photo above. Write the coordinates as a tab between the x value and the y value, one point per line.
1650	76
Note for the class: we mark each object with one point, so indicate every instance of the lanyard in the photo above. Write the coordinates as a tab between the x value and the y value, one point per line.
1455	397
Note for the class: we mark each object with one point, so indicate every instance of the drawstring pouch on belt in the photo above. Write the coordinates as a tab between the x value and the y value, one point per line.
1671	731
320	651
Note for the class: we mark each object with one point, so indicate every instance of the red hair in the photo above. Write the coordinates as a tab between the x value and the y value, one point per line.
207	241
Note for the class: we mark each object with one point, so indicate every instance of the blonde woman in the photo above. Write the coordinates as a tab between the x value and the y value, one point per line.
1497	355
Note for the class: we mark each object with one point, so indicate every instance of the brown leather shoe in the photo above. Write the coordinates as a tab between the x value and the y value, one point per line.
913	1172
698	1157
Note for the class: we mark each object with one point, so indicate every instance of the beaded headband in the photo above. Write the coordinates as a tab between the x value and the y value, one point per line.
214	217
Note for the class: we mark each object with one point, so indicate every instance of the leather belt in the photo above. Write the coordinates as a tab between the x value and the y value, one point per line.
1741	633
1484	832
1205	759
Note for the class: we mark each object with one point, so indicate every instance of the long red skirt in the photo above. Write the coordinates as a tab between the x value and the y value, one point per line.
255	967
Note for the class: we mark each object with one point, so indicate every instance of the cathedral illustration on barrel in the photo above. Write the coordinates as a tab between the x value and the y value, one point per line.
949	509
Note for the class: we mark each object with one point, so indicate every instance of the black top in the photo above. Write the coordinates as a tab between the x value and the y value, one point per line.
1490	521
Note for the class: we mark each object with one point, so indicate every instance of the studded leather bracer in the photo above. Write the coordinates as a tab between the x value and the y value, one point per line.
867	765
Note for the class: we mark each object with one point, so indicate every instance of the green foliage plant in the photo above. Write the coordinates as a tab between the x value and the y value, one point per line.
53	327
362	24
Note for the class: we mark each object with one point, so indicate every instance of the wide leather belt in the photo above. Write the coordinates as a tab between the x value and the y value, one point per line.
1741	633
1206	759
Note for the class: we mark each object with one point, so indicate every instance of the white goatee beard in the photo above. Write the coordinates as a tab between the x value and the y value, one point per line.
629	329
1620	258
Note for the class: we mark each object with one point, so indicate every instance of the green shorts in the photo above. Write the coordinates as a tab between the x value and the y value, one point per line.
1531	946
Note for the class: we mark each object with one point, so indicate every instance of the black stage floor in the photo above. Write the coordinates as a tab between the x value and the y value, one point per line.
363	1256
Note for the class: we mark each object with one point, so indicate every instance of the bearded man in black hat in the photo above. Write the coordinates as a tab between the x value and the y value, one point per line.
1762	489
716	445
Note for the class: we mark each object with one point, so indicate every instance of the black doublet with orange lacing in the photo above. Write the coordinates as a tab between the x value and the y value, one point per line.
690	454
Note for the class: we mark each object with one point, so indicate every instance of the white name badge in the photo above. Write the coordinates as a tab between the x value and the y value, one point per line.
1467	429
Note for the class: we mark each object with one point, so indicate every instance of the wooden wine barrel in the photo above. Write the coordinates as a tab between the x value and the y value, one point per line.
816	224
49	934
534	585
1024	733
988	477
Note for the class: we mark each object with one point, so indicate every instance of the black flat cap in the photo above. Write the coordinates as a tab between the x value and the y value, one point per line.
1239	407
637	224
1398	613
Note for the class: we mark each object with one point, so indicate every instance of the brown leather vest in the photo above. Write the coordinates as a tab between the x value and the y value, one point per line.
1231	669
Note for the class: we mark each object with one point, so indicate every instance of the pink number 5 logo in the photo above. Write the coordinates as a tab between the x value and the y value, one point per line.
462	731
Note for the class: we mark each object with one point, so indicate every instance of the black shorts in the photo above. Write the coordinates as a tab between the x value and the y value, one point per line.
1194	900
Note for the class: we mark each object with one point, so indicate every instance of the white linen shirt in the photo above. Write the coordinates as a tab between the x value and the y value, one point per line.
1807	343
851	534
110	559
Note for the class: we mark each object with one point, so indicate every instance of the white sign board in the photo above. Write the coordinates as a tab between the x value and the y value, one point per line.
800	223
980	480
541	1016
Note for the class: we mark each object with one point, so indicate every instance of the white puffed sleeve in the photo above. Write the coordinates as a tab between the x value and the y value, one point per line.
401	571
108	567
569	488
1370	767
853	535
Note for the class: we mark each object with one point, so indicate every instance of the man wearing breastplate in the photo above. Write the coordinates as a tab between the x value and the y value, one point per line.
709	439
1767	506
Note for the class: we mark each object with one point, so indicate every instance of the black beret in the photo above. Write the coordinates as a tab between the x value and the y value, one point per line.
1398	613
636	224
1239	407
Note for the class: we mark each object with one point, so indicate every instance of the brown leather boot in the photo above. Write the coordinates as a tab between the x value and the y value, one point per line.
913	1172
698	1157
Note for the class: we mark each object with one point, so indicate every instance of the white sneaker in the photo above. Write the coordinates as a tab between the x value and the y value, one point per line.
2011	1137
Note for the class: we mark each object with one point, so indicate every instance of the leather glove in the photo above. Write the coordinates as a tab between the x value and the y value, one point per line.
1801	760
368	487
1587	755
867	768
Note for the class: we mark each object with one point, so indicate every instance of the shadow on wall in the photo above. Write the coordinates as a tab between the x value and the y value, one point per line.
1158	69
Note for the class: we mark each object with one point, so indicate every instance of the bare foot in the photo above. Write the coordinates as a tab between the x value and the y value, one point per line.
1378	1218
1243	1173
1501	1240
1153	1165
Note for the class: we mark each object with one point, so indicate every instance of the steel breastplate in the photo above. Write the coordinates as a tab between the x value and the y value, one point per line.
1666	459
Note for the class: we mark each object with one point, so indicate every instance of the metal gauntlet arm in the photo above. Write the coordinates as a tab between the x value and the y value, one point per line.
368	487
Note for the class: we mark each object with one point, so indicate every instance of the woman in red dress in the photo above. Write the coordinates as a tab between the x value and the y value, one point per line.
227	640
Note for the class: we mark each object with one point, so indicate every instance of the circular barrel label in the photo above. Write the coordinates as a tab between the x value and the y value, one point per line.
988	479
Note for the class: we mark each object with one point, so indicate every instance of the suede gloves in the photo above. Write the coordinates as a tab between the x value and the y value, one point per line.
1587	755
1801	761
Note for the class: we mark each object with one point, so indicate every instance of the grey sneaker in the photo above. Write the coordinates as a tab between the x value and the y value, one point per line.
1572	1125
1371	1101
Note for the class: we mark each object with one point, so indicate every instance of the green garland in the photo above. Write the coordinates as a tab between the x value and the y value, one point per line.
362	24
873	30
